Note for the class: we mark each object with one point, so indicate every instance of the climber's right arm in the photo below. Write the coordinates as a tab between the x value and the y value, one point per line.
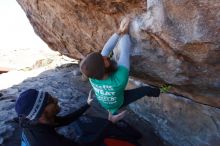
110	45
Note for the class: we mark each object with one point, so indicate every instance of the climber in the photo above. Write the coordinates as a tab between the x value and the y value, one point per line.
37	111
109	78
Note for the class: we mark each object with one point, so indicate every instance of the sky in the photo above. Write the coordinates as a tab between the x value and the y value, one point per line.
15	29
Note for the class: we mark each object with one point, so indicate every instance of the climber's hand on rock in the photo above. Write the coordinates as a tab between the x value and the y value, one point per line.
124	26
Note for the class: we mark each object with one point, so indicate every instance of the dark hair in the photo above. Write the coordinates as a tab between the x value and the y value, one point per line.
93	66
112	68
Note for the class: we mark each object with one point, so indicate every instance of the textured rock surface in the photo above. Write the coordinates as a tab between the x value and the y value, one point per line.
71	96
14	82
175	42
176	117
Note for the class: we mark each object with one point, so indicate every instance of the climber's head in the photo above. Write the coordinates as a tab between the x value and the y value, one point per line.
93	66
96	66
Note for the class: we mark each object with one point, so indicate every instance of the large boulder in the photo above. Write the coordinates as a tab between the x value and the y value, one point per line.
180	120
174	42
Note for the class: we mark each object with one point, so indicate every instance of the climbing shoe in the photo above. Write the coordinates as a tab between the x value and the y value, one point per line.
165	89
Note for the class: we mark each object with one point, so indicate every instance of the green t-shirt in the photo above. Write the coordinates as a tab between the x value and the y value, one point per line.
110	92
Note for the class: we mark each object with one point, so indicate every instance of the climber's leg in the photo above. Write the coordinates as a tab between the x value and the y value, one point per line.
135	94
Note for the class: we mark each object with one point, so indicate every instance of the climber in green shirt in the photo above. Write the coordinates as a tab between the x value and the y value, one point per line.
109	78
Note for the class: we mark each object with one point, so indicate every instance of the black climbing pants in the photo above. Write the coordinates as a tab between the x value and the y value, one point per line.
137	93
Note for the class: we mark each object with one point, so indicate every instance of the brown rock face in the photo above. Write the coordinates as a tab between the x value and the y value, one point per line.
174	41
77	27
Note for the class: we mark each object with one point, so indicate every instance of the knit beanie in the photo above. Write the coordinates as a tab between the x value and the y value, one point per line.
31	103
93	66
